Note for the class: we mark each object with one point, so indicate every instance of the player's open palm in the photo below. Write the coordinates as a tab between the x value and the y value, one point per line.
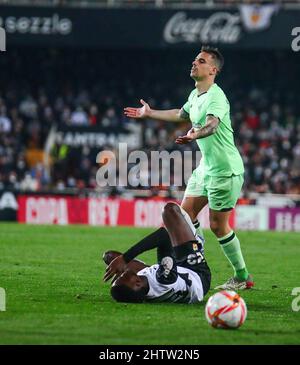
190	136
115	268
138	113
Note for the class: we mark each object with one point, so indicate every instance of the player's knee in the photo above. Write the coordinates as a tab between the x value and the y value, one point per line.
170	212
171	209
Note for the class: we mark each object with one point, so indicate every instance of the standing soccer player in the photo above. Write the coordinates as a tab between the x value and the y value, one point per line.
219	177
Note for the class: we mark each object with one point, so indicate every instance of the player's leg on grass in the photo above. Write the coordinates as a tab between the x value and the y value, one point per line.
230	245
193	206
176	225
181	233
223	193
188	250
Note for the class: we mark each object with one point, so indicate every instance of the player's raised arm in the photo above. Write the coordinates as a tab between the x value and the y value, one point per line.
122	262
171	115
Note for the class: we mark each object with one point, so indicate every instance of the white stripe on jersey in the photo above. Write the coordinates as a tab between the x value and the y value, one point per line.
176	292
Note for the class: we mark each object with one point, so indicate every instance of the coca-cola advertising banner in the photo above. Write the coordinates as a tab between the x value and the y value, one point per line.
245	26
96	211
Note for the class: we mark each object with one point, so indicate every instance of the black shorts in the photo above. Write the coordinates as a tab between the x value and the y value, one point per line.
190	255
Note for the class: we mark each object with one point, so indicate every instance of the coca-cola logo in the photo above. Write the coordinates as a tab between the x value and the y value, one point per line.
220	27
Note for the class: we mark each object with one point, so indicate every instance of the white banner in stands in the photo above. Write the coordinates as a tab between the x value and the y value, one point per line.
251	217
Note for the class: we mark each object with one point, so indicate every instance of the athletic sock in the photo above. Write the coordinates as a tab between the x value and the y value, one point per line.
199	230
230	245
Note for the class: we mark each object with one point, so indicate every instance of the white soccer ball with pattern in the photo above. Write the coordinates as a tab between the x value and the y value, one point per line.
226	309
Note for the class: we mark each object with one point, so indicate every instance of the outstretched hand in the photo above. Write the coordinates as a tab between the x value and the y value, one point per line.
138	113
189	137
115	268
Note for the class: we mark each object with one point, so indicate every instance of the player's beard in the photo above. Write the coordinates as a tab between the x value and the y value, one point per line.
196	78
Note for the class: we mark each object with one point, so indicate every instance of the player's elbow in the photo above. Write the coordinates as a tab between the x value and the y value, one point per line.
182	115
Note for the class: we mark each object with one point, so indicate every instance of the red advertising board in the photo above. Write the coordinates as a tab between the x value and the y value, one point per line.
52	210
96	211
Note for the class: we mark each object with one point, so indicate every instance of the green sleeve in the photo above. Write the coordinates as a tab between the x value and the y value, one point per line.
186	107
218	105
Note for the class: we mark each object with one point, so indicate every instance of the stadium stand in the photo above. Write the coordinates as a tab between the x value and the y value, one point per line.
50	87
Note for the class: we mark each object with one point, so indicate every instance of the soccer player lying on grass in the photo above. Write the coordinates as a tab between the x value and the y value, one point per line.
181	275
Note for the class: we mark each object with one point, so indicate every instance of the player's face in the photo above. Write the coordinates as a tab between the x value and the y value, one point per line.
203	66
130	279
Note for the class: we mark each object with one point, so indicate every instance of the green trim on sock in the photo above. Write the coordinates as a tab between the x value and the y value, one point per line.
232	250
228	239
199	230
226	236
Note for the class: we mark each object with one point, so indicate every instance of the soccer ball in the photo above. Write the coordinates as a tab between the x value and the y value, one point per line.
226	309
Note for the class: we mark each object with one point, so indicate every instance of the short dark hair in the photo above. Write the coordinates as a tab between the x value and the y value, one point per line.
216	55
122	293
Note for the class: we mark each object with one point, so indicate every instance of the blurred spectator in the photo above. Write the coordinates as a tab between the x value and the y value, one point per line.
265	113
93	115
5	122
79	117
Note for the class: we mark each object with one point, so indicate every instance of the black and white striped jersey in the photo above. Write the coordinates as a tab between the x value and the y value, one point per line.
187	288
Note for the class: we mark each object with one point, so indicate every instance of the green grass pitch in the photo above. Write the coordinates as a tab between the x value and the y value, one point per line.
55	295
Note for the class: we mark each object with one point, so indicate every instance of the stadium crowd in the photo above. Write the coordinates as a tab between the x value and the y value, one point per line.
62	88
